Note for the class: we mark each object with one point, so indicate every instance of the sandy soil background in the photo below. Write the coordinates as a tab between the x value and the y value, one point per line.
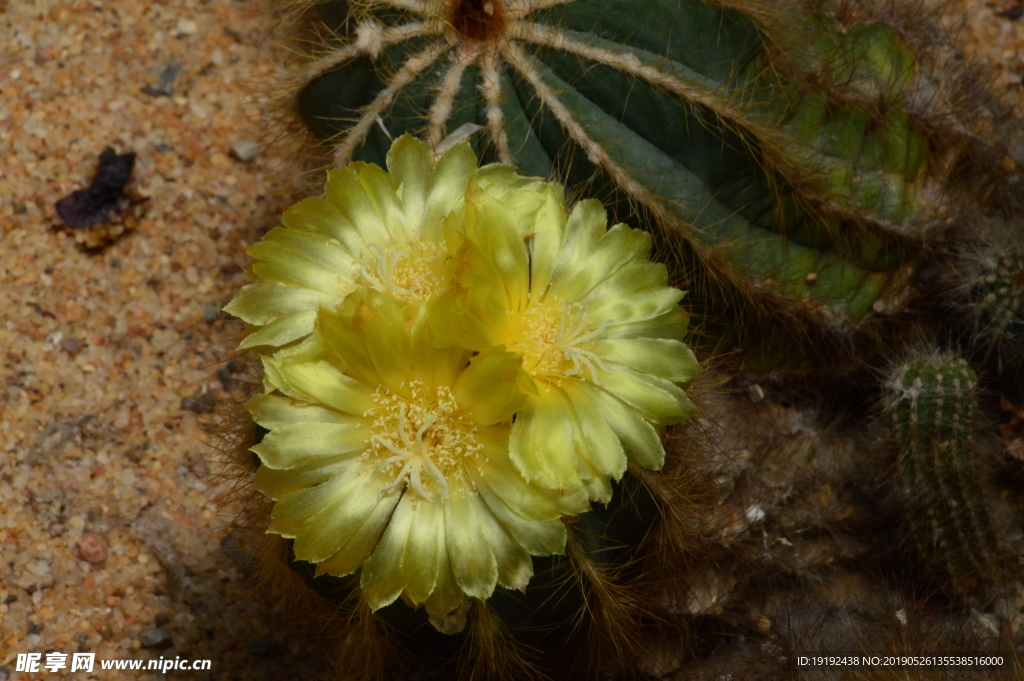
113	539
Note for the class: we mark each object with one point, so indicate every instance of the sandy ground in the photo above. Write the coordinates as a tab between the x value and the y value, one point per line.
112	535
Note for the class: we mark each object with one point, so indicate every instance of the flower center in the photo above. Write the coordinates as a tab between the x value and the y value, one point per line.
411	272
420	440
478	20
552	338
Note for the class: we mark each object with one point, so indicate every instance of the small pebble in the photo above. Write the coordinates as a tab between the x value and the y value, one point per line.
186	27
165	78
10	599
19	208
91	548
199	404
34	629
211	314
5	673
245	150
156	638
71	345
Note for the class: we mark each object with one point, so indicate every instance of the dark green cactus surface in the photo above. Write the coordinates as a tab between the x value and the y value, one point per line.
776	149
996	293
931	403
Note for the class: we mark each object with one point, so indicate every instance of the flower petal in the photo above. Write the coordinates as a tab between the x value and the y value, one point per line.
274	484
489	389
446	595
410	164
262	303
283	330
368	338
468	539
381	578
624	317
451	177
296	444
603	448
669	359
364	535
341	510
541	444
422	560
318	215
639	438
317	381
271	411
660	401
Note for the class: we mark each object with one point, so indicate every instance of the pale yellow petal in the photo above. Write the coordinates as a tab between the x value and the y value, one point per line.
368	338
616	248
468	541
379	192
668	359
545	238
410	164
283	330
514	565
541	444
261	303
639	438
361	540
293	511
661	402
341	512
422	560
450	179
602	446
274	484
634	278
488	389
317	214
319	382
271	411
381	578
345	191
624	317
446	595
296	444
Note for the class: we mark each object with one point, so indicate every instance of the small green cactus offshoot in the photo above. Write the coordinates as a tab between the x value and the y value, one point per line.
931	404
997	298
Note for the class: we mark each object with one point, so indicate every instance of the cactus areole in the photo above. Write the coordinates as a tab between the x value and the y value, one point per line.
776	145
478	20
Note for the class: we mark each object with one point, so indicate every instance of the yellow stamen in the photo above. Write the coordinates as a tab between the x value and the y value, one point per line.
551	337
421	431
411	272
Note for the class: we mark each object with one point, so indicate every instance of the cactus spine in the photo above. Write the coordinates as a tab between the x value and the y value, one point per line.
989	289
931	404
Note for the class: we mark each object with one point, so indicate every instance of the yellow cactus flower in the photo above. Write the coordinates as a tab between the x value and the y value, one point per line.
372	228
388	454
597	328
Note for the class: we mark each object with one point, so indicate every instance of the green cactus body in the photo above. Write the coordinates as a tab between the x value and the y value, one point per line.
996	292
931	402
789	190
